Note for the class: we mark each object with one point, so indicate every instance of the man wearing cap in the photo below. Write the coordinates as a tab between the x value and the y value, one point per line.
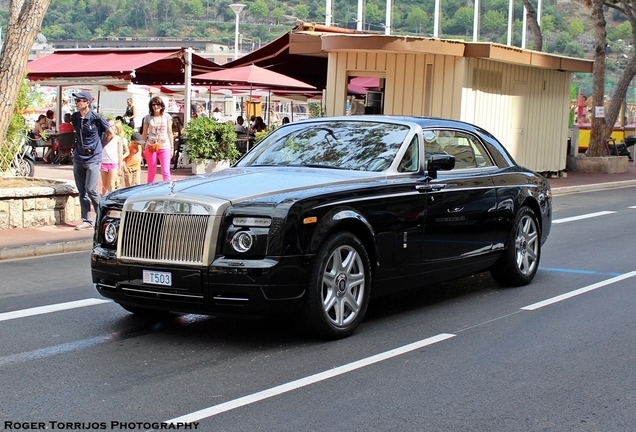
87	156
132	170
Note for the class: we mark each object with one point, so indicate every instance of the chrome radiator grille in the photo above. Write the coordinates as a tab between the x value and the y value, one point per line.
177	238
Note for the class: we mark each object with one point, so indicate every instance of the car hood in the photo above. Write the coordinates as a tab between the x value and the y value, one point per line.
240	184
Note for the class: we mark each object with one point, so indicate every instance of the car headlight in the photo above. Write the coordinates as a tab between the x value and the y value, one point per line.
110	233
110	227
247	236
242	241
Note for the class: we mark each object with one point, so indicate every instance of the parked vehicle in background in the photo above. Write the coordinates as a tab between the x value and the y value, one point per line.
23	162
320	217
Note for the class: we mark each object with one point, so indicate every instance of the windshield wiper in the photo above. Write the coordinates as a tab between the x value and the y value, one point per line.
310	165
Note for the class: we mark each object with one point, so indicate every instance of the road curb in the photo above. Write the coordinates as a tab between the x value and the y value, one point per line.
564	190
34	250
29	251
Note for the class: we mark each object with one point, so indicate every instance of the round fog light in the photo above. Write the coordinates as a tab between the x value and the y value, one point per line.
242	241
110	233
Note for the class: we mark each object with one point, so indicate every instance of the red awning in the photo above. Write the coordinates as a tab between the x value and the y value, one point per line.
276	57
154	67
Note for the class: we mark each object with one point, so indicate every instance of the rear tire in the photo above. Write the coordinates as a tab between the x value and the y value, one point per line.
339	288
519	263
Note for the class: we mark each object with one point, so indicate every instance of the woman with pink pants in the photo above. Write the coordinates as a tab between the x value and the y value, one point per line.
157	134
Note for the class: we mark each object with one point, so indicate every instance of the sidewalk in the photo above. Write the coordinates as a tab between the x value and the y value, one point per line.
20	243
52	239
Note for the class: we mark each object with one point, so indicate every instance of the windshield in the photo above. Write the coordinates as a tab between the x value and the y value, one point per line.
352	145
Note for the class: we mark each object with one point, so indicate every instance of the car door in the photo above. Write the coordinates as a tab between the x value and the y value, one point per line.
411	211
461	204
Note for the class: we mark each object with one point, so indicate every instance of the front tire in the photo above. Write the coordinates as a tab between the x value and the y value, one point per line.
519	263
339	288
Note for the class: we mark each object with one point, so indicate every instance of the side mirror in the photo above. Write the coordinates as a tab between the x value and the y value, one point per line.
445	162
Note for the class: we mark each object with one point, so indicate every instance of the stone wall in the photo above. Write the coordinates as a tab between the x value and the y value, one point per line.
26	207
598	165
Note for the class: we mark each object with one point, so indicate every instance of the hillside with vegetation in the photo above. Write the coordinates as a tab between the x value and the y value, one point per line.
566	24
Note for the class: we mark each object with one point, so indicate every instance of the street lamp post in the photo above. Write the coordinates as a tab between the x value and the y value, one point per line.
237	8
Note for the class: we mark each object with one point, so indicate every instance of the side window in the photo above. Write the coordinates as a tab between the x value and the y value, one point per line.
468	150
411	160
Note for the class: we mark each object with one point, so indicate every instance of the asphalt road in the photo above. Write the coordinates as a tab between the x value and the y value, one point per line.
464	356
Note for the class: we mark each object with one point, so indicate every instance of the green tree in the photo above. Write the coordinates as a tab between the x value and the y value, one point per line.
23	24
194	9
597	130
301	11
547	23
494	22
373	15
417	19
562	41
396	17
573	49
463	20
621	31
533	25
114	22
54	32
258	10
576	28
167	30
278	14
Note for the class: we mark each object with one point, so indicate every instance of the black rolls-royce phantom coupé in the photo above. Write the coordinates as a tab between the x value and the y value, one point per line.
321	216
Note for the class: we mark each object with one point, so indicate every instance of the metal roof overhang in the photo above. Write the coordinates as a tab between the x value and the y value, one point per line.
392	44
507	54
104	67
418	45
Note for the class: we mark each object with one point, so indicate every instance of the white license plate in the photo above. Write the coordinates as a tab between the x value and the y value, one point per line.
157	278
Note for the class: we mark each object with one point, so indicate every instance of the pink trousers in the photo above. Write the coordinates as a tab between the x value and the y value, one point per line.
164	156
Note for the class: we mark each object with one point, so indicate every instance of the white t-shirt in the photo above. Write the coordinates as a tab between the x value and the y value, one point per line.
158	130
110	152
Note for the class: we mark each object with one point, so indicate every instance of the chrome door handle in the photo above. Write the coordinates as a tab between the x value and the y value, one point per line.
430	187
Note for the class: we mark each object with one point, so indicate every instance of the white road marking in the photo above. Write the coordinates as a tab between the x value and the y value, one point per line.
584	216
50	308
579	291
303	382
53	350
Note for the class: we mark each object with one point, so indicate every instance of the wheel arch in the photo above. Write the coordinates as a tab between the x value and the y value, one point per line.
532	203
347	220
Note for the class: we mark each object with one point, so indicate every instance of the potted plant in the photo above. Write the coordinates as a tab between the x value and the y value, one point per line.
210	143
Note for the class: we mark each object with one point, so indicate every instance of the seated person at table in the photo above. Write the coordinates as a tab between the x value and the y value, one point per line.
259	125
50	120
240	128
38	130
66	127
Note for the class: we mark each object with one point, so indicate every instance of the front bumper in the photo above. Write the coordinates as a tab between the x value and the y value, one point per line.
227	286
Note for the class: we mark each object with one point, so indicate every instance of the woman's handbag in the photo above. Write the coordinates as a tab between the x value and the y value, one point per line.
152	148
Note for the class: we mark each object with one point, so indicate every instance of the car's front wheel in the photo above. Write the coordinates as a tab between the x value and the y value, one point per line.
338	293
519	263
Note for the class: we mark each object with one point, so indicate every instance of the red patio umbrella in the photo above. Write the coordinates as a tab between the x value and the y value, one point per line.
251	75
